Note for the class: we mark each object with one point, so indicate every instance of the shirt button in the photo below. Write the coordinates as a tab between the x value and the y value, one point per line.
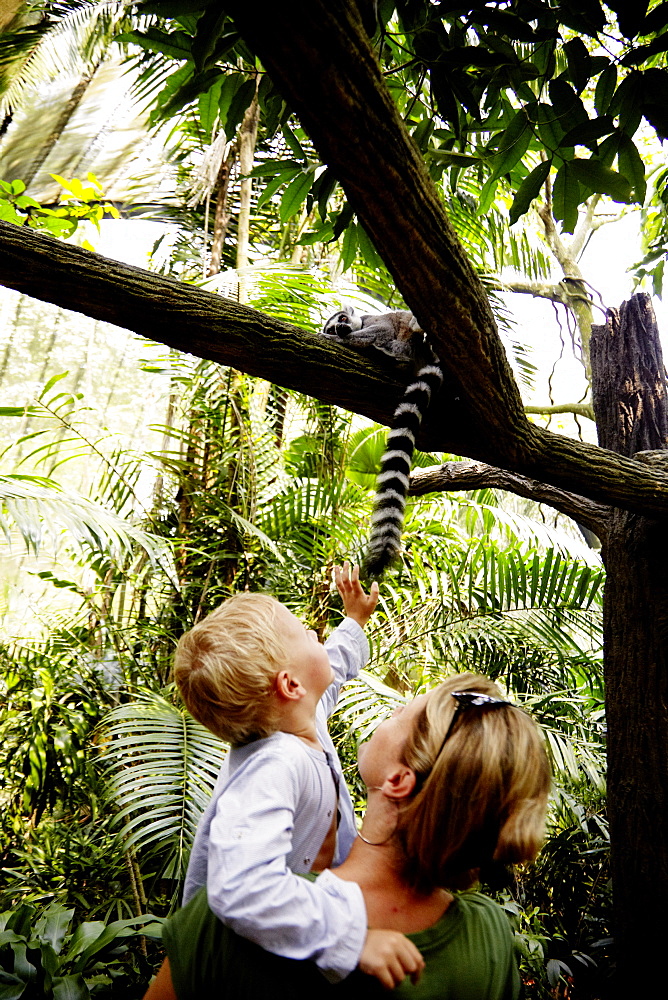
307	861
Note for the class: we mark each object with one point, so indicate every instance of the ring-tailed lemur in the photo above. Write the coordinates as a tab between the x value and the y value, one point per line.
399	335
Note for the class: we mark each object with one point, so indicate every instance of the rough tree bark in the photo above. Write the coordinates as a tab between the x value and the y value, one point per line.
222	215
247	140
629	392
629	384
454	476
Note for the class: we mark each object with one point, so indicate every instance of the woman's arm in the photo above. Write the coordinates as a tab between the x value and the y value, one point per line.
162	987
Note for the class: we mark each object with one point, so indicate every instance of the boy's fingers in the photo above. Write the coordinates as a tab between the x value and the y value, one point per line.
393	974
417	968
355	574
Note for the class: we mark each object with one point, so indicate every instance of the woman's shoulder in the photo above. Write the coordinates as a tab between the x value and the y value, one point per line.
478	902
469	953
471	917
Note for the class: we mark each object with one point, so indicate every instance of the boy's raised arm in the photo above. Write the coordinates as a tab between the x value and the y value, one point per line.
357	604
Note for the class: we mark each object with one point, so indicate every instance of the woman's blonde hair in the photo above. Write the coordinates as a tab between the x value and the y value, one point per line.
481	795
226	667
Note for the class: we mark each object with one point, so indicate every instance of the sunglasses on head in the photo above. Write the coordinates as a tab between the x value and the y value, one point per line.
469	699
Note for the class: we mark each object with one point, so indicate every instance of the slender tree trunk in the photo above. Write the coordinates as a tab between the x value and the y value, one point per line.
630	402
12	328
221	218
6	122
247	140
76	97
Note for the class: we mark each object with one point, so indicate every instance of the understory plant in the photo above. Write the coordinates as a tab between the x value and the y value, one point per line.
45	954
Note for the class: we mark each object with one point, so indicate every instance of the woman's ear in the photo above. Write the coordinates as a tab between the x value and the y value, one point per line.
287	687
400	784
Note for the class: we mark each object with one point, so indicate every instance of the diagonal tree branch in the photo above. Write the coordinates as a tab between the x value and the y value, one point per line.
579	409
351	117
478	475
197	322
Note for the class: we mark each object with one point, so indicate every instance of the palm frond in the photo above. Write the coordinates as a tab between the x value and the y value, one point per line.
73	34
160	766
314	517
40	509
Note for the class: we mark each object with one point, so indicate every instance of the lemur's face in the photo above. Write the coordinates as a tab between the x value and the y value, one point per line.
343	323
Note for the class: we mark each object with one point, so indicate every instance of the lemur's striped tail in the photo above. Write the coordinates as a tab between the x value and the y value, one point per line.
387	520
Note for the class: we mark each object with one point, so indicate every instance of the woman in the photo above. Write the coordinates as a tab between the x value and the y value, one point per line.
457	781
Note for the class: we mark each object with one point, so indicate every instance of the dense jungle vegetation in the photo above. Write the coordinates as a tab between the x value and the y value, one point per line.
127	537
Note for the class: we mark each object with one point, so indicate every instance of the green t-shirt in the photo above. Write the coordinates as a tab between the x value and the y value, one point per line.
468	956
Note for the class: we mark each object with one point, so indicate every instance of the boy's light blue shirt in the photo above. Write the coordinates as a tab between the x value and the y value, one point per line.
269	814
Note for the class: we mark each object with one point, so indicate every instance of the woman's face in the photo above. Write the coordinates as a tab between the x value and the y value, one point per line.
383	750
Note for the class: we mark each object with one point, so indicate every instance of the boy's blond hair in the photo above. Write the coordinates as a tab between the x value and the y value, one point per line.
226	667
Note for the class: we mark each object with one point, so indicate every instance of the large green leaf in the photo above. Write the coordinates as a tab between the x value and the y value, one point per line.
528	190
39	508
566	196
513	144
596	177
160	766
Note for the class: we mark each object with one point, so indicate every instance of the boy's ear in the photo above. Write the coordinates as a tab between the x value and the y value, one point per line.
288	688
400	784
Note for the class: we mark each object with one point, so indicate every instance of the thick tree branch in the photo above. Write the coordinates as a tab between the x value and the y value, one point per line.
358	131
579	409
210	326
539	290
478	475
194	321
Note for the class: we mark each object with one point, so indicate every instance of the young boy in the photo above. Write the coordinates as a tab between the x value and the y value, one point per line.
254	676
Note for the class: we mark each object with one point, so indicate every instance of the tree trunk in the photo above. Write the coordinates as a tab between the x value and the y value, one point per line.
629	385
64	118
629	391
222	216
247	140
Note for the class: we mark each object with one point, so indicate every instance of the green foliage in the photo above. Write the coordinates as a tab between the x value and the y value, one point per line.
45	955
51	700
81	204
484	100
41	43
159	768
563	903
37	505
40	509
654	232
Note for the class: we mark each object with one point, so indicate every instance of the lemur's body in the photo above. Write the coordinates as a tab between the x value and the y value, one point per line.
399	335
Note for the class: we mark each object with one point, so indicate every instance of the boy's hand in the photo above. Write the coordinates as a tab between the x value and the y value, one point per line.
358	605
390	956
